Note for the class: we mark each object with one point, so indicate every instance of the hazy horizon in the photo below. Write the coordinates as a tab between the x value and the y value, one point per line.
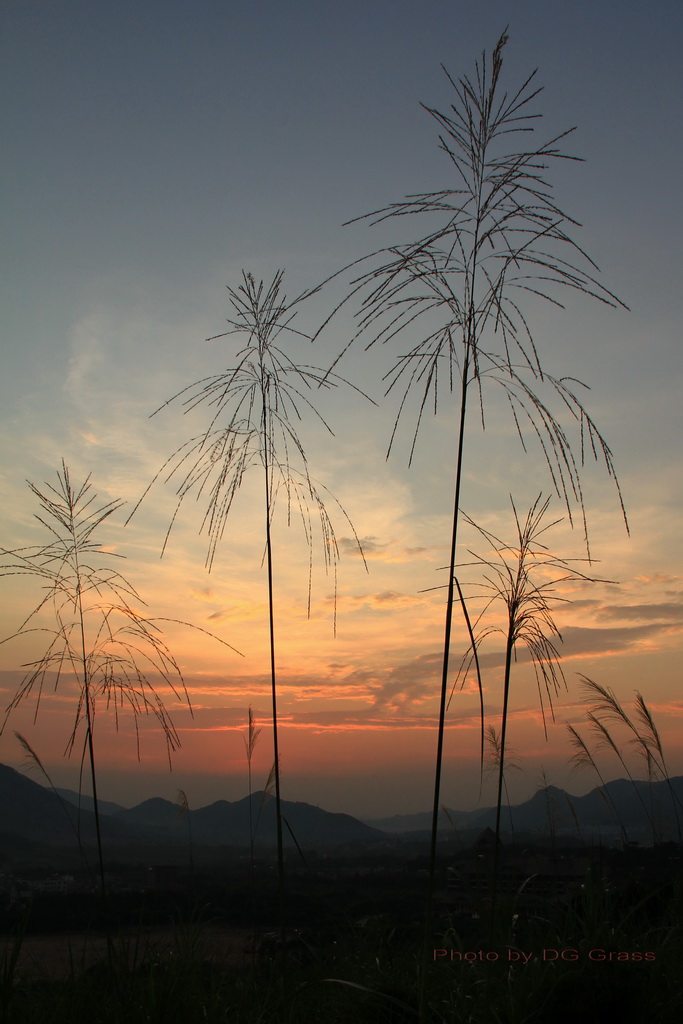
336	799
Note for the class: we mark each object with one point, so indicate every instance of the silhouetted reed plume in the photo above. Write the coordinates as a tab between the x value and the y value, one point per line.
254	407
98	636
493	237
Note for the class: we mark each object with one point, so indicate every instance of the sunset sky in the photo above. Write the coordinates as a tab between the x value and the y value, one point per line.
154	151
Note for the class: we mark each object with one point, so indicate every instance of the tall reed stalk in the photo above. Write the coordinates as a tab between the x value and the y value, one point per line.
250	741
98	639
643	737
496	756
183	805
494	235
32	760
255	405
524	576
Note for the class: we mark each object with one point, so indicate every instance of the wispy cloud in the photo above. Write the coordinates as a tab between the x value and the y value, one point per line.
386	600
668	611
386	551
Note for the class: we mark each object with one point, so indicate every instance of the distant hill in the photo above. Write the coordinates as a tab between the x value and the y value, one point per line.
36	823
226	823
638	808
86	802
29	811
32	811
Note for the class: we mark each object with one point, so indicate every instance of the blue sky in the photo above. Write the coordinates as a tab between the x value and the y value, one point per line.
154	151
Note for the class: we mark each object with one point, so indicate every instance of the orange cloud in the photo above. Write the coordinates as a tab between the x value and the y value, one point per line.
665	610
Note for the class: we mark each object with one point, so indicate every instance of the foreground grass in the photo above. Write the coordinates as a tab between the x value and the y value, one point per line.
582	960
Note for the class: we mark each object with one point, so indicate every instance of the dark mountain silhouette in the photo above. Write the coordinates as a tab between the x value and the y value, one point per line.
156	813
644	811
34	812
86	802
226	823
34	819
29	811
35	824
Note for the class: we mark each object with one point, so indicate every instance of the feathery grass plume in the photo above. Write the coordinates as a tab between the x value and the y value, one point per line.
606	705
511	765
581	759
100	639
644	715
33	761
267	794
254	406
575	817
184	811
549	809
451	821
497	234
647	742
653	741
510	574
250	741
492	237
269	788
607	741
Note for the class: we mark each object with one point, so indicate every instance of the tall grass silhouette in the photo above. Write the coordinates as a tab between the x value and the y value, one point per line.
493	237
250	741
255	405
97	636
605	712
32	760
496	756
184	812
584	758
524	576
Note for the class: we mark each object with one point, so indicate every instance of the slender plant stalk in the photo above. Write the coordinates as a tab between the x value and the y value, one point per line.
653	740
33	760
99	639
87	700
267	794
495	235
495	747
273	686
184	809
549	814
509	649
575	817
509	576
255	405
250	742
605	707
583	758
445	664
606	739
472	657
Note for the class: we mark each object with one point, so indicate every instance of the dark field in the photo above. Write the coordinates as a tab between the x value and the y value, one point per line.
558	949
